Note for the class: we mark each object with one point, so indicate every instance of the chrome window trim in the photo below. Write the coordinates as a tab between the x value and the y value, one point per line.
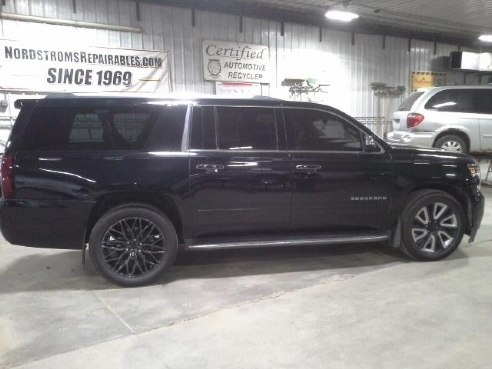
238	151
185	141
223	105
288	151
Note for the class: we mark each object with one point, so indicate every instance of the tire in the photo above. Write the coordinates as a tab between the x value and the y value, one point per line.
432	225
452	143
133	245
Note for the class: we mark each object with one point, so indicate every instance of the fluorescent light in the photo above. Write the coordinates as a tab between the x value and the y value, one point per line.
340	15
485	38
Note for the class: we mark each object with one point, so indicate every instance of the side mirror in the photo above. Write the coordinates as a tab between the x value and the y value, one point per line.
370	144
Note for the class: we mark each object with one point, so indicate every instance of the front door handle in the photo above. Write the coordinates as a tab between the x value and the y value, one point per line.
308	167
210	167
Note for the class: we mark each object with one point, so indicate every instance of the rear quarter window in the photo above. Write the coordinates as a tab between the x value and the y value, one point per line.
90	128
407	104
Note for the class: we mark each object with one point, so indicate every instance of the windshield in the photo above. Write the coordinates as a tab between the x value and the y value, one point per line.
406	104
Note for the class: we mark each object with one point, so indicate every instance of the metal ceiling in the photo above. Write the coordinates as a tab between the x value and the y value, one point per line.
458	17
453	21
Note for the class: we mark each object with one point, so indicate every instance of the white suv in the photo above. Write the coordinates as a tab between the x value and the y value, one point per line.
453	118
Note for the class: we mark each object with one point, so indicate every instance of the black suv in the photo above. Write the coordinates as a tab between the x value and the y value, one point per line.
139	178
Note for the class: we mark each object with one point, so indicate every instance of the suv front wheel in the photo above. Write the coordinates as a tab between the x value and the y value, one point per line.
432	225
133	245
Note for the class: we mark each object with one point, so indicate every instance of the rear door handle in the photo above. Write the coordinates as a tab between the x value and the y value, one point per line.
210	167
308	167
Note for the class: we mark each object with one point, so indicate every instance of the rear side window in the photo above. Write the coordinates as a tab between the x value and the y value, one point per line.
407	104
246	128
90	128
168	132
453	101
484	101
203	135
315	130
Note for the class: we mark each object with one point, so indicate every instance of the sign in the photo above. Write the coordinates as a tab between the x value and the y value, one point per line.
235	62
28	66
427	79
238	88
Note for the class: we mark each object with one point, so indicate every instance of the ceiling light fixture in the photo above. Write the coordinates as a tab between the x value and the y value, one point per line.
485	38
341	15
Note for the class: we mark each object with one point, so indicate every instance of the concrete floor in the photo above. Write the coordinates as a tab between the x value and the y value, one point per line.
356	306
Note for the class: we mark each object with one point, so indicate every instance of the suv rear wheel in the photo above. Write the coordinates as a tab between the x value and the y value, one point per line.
133	245
452	143
432	225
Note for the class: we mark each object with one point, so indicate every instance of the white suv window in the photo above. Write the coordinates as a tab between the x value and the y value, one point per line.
453	101
407	104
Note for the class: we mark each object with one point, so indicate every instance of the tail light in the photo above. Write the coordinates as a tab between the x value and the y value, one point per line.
414	119
7	171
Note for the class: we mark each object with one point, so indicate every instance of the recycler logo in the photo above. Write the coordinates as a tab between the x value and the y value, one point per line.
214	67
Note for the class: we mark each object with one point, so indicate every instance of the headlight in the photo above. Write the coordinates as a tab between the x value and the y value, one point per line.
474	170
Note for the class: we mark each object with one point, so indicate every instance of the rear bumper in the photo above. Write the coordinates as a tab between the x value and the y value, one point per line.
425	139
48	224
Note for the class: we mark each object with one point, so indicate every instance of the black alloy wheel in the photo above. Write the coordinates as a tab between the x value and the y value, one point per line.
432	225
133	245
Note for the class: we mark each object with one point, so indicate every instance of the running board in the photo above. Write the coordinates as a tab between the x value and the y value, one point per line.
327	240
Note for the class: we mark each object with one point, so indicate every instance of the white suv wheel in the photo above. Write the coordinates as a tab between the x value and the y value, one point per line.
452	143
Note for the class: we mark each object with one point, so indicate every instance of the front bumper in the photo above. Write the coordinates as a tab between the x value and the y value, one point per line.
425	139
477	205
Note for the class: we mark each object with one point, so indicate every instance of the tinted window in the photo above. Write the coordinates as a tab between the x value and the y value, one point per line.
484	101
453	101
87	127
48	129
407	104
168	133
245	128
317	130
203	129
94	128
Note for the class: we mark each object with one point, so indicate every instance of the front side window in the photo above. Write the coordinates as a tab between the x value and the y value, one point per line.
315	130
246	128
453	101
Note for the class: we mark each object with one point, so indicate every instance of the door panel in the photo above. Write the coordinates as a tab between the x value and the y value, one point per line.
239	180
485	132
336	185
235	193
484	107
349	191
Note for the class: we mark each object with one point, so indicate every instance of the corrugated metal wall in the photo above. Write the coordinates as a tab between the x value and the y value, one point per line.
349	69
